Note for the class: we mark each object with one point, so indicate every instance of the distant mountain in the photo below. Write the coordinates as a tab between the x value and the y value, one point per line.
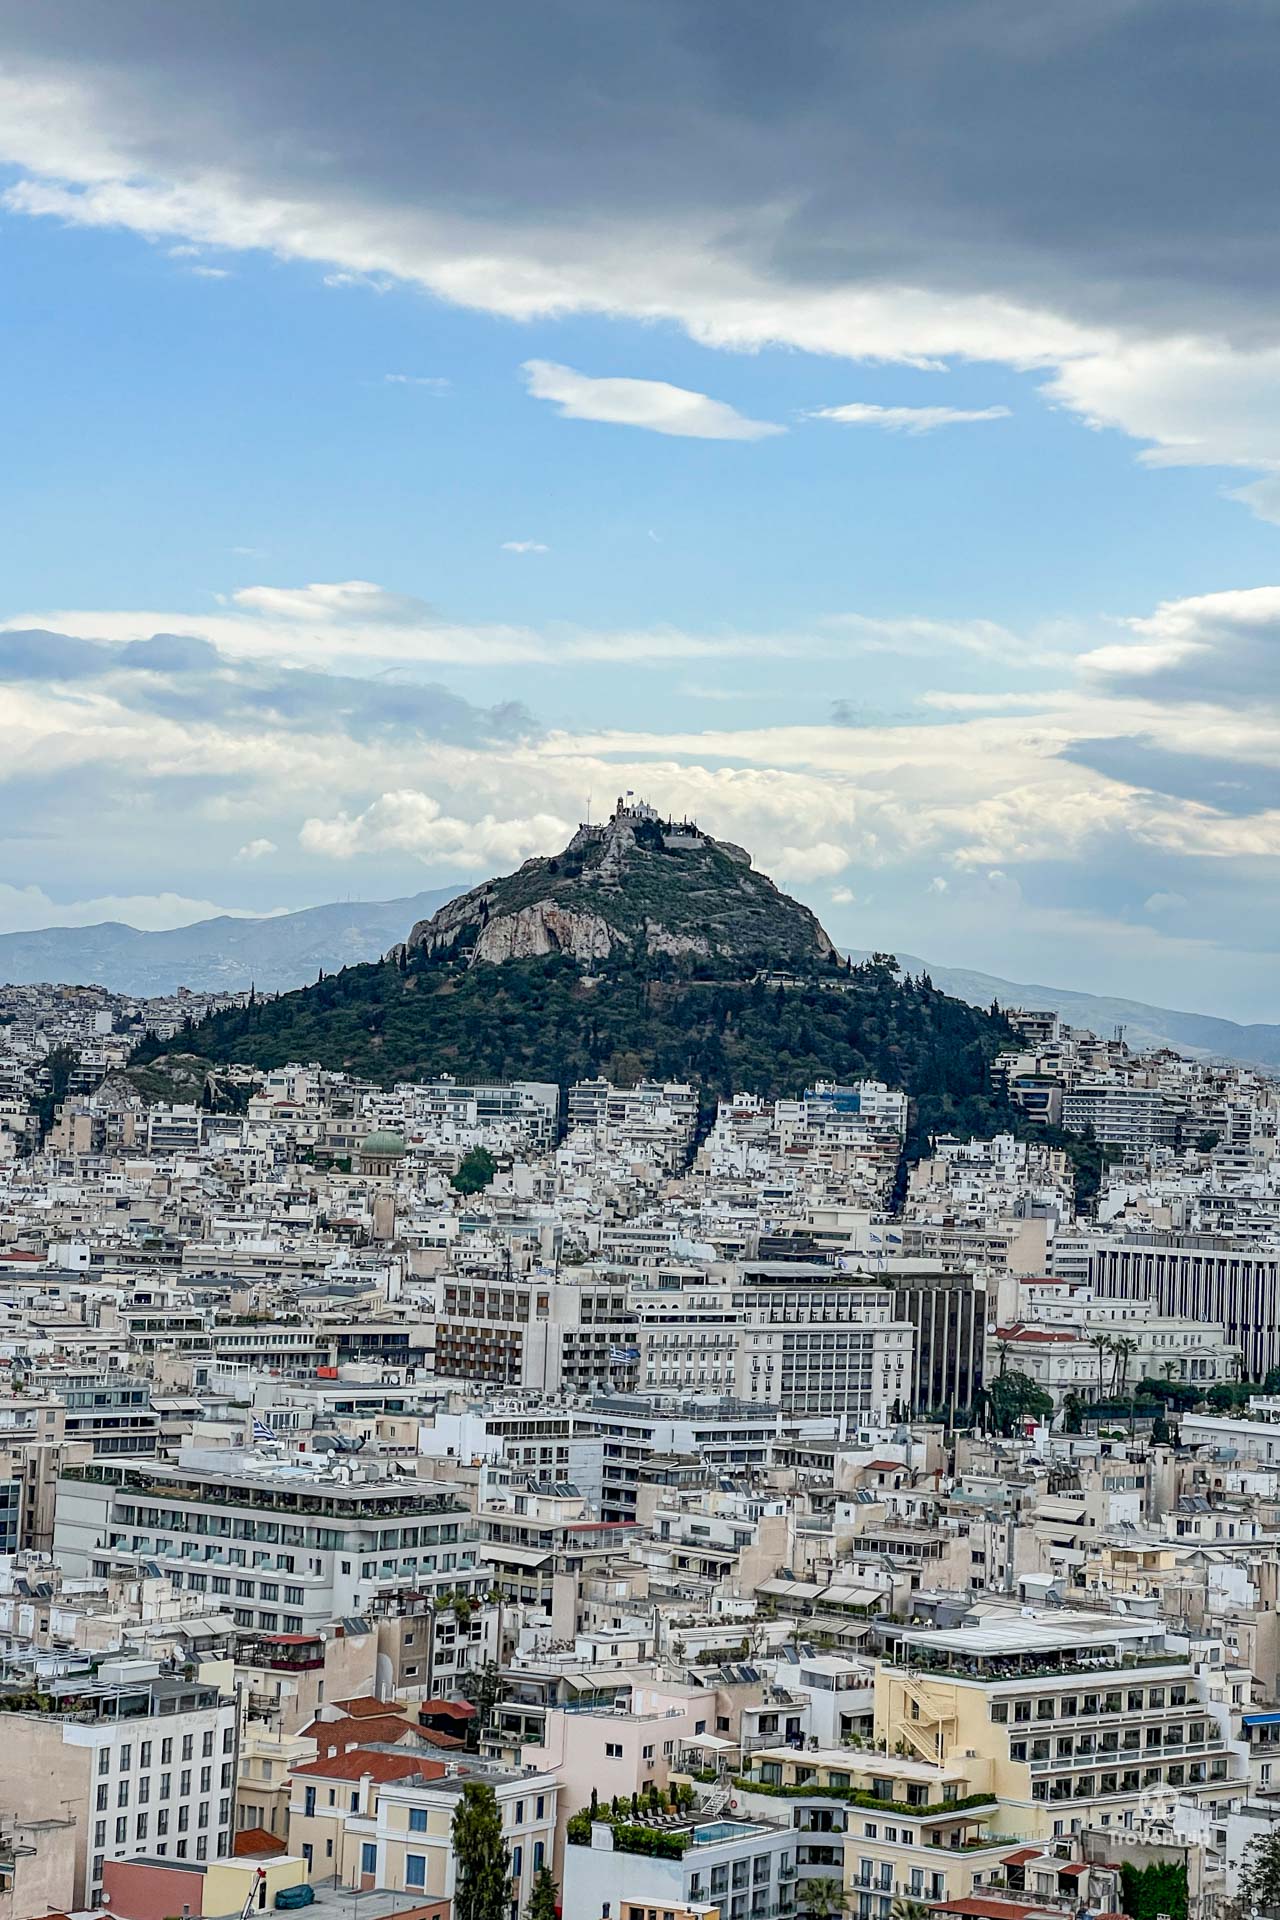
642	948
226	954
1200	1035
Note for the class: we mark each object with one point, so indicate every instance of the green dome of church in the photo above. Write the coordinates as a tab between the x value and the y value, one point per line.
383	1144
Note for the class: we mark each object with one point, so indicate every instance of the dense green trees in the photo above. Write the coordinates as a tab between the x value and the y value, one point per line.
1014	1398
1158	1889
475	1172
547	1019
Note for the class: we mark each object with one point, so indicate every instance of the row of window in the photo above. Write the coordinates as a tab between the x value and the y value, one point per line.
141	1823
1068	1705
164	1786
187	1751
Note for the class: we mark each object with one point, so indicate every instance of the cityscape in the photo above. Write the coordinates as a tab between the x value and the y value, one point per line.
639	931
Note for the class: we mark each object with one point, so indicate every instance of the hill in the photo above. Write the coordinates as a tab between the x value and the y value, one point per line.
636	951
1201	1035
227	954
634	885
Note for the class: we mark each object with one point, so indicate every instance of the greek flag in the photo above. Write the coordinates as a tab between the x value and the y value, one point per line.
261	1431
623	1356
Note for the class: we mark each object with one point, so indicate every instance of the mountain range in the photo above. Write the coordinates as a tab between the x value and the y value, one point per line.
1200	1035
228	954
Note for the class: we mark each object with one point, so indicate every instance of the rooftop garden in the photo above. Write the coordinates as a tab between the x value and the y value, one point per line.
636	1822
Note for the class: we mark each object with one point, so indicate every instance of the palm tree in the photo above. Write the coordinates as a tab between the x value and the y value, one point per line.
822	1899
1004	1349
1102	1342
909	1910
1124	1349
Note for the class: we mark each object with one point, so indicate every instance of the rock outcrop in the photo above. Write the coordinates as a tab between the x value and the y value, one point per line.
637	883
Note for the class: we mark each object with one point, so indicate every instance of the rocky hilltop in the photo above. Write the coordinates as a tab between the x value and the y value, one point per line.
637	884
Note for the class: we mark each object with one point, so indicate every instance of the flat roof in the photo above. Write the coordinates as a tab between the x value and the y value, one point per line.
1028	1636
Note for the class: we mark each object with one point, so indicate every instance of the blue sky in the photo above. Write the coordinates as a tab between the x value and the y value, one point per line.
289	378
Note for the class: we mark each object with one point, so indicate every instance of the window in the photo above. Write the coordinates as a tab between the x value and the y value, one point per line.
542	1805
144	1754
519	1813
369	1858
308	1800
126	1755
188	1745
415	1869
101	1801
613	1748
104	1759
539	1855
166	1752
122	1828
417	1819
517	1861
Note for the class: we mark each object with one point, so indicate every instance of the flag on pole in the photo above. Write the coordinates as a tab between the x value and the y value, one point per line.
261	1431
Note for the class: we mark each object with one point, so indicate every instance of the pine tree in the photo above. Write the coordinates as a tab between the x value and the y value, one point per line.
542	1901
481	1860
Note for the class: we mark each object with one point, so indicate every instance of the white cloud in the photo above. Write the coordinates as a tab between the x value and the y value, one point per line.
911	420
105	146
413	822
937	884
1164	902
211	273
815	862
842	896
524	546
432	382
1220	648
654	404
257	850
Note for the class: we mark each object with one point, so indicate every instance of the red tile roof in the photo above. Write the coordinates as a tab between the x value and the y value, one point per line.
390	1730
453	1709
256	1840
364	1703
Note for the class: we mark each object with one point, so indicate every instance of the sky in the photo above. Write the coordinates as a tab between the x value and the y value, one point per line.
856	425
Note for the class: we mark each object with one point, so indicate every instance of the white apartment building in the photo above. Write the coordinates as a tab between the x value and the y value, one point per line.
287	1547
142	1763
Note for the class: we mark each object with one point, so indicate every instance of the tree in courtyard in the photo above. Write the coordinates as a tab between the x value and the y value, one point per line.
475	1171
482	1877
909	1910
1013	1398
542	1901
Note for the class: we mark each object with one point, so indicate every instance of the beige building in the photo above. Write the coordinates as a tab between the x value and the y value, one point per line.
1068	1720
